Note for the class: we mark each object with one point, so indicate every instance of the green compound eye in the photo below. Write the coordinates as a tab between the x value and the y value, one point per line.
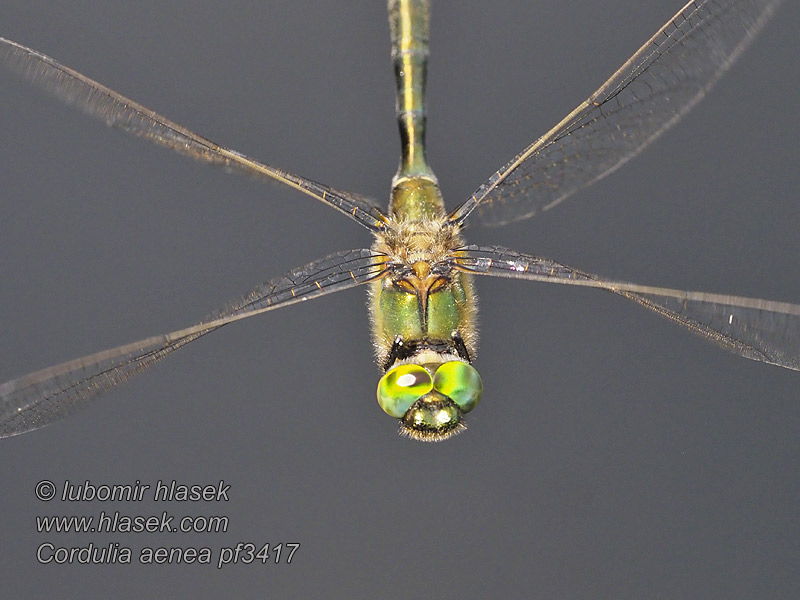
401	386
460	382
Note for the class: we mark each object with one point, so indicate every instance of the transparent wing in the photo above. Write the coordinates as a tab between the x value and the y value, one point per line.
51	394
98	101
646	96
762	330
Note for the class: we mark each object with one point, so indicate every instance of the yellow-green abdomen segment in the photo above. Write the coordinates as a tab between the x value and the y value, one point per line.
415	192
409	25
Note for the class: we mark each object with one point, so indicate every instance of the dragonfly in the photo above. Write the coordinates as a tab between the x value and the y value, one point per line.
419	270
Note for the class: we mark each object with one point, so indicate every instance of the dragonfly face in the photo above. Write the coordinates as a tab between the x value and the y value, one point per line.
430	398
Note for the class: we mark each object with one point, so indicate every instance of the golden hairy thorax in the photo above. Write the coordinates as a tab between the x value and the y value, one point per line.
423	300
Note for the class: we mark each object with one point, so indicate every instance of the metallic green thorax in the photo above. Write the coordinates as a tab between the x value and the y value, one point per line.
415	192
404	314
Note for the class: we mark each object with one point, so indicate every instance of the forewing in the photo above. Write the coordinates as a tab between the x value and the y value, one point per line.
116	110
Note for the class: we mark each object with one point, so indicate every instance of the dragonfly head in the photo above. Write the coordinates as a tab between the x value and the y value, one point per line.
430	399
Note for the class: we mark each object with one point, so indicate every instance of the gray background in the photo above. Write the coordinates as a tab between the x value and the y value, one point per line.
613	456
